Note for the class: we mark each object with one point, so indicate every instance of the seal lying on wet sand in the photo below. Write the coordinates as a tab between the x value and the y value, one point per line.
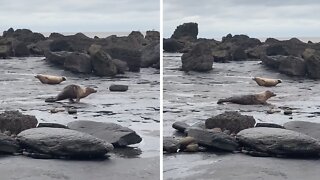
266	82
252	99
72	92
49	79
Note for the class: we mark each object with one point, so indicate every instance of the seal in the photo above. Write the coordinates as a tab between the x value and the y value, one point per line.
49	79
72	92
251	99
266	82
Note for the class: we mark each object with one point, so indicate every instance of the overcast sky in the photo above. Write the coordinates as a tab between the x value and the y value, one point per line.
80	15
257	18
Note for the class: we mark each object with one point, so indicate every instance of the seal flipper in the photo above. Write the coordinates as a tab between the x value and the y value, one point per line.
51	99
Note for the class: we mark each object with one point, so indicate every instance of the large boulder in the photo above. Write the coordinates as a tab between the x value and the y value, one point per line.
186	31
5	51
63	142
15	122
137	37
8	144
102	63
172	45
78	62
231	120
198	59
60	45
20	49
293	66
170	145
23	35
277	141
57	58
216	140
309	128
312	58
150	55
110	132
152	36
272	61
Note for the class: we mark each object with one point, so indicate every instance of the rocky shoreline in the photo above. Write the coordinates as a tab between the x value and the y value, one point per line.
291	57
80	54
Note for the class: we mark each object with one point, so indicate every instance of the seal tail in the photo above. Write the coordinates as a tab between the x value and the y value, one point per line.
220	101
51	99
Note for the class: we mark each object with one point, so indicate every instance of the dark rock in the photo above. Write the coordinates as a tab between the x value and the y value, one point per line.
24	35
102	63
63	142
287	112
215	140
221	55
277	141
276	49
20	49
152	36
198	59
118	87
35	50
309	128
230	120
170	144
72	111
186	31
52	125
127	49
180	126
293	66
60	45
239	54
172	45
256	52
122	66
55	35
270	125
15	122
110	132
8	144
138	37
57	58
5	51
78	62
312	58
272	61
150	55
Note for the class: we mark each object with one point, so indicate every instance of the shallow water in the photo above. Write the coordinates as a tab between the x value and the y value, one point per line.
192	97
138	108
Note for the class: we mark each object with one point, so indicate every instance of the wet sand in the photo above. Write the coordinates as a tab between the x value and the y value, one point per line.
138	109
192	97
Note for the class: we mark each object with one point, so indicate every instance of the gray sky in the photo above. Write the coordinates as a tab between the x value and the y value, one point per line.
257	18
80	15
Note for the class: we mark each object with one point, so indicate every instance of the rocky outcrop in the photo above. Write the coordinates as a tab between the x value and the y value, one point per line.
277	141
78	62
8	144
152	36
216	140
15	122
309	128
23	35
172	45
110	132
198	59
150	55
186	32
63	142
57	58
102	64
312	58
231	120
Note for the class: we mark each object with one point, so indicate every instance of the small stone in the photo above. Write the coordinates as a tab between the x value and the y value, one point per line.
184	142
271	125
180	126
287	112
118	87
52	125
194	147
56	110
170	144
216	130
72	111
